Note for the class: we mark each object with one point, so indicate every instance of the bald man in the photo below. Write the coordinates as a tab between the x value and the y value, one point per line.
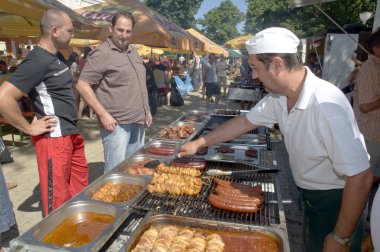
62	165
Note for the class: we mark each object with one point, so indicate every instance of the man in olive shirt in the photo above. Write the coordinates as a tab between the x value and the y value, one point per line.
120	99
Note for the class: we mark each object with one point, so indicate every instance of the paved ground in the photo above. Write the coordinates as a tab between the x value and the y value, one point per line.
26	195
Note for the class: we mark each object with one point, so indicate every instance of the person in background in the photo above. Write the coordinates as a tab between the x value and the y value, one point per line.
151	86
120	100
221	70
367	102
196	72
162	79
313	64
181	59
210	80
62	164
3	67
81	102
7	217
333	173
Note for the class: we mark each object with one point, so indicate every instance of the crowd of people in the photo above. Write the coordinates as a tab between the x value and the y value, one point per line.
334	174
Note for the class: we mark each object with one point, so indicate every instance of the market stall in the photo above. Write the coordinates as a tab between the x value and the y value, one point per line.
135	206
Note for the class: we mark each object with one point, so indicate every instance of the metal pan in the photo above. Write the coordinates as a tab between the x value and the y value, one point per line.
224	229
158	143
196	129
31	240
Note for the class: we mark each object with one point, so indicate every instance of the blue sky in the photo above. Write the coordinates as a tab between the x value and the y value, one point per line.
210	4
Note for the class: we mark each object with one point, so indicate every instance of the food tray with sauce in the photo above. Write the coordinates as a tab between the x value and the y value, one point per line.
159	148
119	189
76	226
236	237
179	131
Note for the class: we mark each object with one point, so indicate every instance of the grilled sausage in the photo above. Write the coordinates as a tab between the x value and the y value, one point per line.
164	150
237	194
221	203
258	200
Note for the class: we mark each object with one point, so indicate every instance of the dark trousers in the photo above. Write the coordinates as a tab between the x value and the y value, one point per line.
321	210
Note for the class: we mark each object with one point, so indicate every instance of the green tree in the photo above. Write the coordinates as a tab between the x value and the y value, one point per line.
304	21
180	12
219	24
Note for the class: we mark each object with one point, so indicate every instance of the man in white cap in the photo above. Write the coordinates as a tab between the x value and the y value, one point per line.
327	153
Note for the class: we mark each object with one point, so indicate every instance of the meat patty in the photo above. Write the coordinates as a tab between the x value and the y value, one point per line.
251	153
225	149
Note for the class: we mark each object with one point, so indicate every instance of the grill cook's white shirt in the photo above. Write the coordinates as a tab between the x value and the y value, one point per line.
320	133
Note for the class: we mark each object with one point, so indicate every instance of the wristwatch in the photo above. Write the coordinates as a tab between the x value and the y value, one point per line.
340	240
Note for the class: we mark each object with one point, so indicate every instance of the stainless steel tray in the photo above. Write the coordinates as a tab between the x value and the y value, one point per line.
158	143
278	234
239	152
229	112
31	240
250	139
197	128
116	178
126	164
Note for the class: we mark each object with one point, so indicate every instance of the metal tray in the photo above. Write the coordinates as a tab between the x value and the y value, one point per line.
227	112
213	226
31	240
250	139
116	178
158	143
197	128
238	154
126	164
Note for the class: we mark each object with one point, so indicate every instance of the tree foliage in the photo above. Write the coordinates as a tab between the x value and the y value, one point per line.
180	12
304	21
219	24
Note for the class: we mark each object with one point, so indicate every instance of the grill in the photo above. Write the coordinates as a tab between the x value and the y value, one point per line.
198	207
218	120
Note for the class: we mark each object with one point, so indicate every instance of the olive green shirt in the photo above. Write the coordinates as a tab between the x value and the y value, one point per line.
119	81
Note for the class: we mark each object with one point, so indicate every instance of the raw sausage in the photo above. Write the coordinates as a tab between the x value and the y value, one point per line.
162	150
198	163
237	194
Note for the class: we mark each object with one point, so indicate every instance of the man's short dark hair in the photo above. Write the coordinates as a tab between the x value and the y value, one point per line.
125	14
374	40
292	61
50	18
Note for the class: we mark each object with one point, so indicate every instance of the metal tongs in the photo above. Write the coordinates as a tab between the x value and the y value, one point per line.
216	172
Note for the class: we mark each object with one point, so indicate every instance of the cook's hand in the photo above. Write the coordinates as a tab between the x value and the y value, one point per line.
43	125
366	244
108	122
188	149
148	120
331	245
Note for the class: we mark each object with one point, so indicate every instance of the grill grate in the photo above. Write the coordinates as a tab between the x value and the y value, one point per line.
216	120
198	207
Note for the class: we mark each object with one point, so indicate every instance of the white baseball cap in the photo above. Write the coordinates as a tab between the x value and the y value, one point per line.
273	40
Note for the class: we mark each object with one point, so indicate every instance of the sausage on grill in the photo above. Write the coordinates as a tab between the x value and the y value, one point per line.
257	200
162	150
197	163
238	187
237	194
225	204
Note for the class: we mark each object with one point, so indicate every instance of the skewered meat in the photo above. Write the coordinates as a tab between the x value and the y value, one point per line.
198	163
202	151
161	168
183	131
225	149
110	192
165	150
175	184
251	153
